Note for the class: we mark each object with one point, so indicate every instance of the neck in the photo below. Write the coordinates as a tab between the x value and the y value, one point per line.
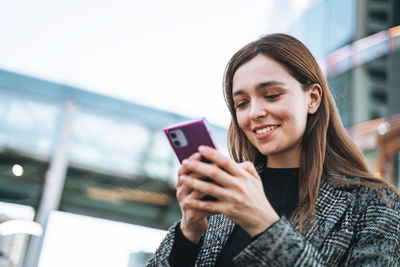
284	160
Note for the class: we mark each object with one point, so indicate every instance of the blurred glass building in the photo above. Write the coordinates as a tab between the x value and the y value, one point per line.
357	43
66	149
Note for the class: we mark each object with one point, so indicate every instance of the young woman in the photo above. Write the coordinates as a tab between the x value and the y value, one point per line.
297	192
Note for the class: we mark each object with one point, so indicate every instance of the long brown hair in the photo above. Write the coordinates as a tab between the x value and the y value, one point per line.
326	147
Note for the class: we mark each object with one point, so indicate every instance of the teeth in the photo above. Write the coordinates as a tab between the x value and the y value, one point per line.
267	129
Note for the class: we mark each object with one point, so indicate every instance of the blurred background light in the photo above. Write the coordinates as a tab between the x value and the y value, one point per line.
383	128
17	170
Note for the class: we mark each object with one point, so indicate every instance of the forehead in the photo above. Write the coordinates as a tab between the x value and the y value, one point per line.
257	70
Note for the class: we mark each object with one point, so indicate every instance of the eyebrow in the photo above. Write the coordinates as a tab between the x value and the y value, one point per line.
259	86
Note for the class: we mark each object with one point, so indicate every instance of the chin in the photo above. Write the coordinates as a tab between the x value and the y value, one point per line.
268	151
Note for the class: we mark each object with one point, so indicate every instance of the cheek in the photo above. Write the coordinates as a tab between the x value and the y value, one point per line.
301	125
244	124
297	110
299	122
293	117
241	119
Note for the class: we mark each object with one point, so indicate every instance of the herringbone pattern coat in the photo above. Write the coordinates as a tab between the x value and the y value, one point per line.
353	226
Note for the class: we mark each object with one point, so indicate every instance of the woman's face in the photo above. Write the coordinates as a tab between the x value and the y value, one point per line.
271	109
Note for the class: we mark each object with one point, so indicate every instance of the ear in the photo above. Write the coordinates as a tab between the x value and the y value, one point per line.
314	98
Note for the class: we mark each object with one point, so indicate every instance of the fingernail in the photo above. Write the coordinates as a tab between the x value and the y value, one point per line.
183	178
202	148
185	161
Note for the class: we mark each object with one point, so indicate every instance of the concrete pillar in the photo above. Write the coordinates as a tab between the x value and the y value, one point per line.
53	186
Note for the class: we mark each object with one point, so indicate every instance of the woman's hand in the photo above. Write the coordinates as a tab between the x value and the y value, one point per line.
194	222
238	189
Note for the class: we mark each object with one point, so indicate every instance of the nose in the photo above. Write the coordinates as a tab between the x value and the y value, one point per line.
257	109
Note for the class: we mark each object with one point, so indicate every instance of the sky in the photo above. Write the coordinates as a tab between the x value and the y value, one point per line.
166	54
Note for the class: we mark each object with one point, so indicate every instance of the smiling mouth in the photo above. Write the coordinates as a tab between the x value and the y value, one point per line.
266	129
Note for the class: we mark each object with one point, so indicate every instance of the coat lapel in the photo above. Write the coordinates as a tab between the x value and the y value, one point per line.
331	206
220	228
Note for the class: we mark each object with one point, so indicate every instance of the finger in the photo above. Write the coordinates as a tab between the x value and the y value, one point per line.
185	191
212	171
182	192
183	170
195	194
213	207
221	160
192	175
195	156
206	188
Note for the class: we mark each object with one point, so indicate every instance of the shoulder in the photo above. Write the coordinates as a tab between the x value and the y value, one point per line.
365	195
371	213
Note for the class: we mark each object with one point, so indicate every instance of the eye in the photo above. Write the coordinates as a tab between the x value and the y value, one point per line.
240	104
272	97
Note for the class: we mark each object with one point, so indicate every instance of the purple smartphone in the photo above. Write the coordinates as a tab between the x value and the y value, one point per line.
186	137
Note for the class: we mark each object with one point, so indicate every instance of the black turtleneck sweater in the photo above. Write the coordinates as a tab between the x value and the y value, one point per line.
280	187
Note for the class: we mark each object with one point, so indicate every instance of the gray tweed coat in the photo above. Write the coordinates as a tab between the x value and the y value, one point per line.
354	226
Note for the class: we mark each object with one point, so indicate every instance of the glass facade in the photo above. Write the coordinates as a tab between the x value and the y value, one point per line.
108	143
340	86
119	163
27	124
326	26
